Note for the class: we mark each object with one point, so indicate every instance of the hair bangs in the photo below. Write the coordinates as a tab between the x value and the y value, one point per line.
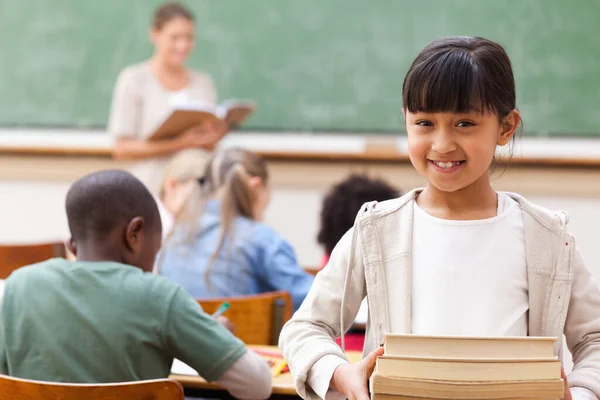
452	82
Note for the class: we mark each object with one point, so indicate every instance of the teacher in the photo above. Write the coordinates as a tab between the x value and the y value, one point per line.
145	92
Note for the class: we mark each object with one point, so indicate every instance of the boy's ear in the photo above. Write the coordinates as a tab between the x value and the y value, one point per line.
509	126
72	246
134	233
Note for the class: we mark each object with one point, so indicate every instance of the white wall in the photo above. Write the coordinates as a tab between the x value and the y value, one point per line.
32	211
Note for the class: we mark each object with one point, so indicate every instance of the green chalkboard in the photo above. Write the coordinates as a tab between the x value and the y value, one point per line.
312	65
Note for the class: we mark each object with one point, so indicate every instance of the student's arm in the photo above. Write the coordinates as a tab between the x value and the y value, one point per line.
201	342
247	372
582	331
308	339
278	268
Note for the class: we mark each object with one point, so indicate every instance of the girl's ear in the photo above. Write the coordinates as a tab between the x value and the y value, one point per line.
169	187
255	182
134	234
509	126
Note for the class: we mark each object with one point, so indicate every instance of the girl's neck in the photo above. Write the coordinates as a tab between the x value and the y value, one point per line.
476	201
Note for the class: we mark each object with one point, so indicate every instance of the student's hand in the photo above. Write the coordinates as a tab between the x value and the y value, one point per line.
352	379
226	323
567	395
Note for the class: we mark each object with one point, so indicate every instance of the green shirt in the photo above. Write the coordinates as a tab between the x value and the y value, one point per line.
100	322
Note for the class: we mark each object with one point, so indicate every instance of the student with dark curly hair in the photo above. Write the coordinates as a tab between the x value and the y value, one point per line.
343	202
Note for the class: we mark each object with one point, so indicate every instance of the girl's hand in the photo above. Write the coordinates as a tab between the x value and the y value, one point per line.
567	395
352	379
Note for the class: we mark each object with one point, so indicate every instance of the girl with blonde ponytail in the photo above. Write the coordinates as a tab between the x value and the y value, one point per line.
219	245
179	186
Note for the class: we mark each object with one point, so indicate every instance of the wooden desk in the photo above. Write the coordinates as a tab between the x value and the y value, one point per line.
283	384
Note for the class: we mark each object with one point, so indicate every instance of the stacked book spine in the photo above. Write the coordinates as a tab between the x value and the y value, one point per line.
467	368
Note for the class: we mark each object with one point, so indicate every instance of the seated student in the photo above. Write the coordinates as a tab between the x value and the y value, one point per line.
219	247
179	177
342	203
104	318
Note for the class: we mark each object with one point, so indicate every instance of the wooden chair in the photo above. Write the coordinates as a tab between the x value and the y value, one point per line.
17	256
258	319
24	389
312	270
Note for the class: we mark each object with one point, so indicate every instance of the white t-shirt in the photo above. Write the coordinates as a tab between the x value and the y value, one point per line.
470	277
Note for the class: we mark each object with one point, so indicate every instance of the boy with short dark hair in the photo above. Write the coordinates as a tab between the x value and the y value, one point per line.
105	317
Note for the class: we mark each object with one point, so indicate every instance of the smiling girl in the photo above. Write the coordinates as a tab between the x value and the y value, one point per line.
455	257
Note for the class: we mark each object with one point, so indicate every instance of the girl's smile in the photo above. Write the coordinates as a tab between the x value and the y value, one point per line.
447	167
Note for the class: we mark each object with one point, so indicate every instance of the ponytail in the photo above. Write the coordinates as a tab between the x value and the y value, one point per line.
237	198
227	176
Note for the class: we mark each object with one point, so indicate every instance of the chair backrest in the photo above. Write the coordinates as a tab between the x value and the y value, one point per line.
258	319
312	270
17	256
24	389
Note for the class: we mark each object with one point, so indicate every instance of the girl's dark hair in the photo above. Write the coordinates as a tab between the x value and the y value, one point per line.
170	11
342	203
460	74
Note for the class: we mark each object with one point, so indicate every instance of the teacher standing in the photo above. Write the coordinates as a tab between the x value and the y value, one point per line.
146	92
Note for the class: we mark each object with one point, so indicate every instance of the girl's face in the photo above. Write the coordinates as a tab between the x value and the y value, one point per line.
174	41
453	151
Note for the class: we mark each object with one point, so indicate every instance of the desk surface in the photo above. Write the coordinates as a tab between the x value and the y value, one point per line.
283	384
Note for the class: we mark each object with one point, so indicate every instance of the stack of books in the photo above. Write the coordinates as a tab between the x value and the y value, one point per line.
467	368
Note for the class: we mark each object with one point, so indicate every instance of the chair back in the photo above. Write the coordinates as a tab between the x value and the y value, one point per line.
312	270
17	256
258	319
25	389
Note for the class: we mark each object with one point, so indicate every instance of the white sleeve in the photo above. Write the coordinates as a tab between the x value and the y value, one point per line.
310	335
319	377
249	378
580	393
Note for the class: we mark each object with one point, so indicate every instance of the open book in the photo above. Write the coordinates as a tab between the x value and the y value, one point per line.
186	115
